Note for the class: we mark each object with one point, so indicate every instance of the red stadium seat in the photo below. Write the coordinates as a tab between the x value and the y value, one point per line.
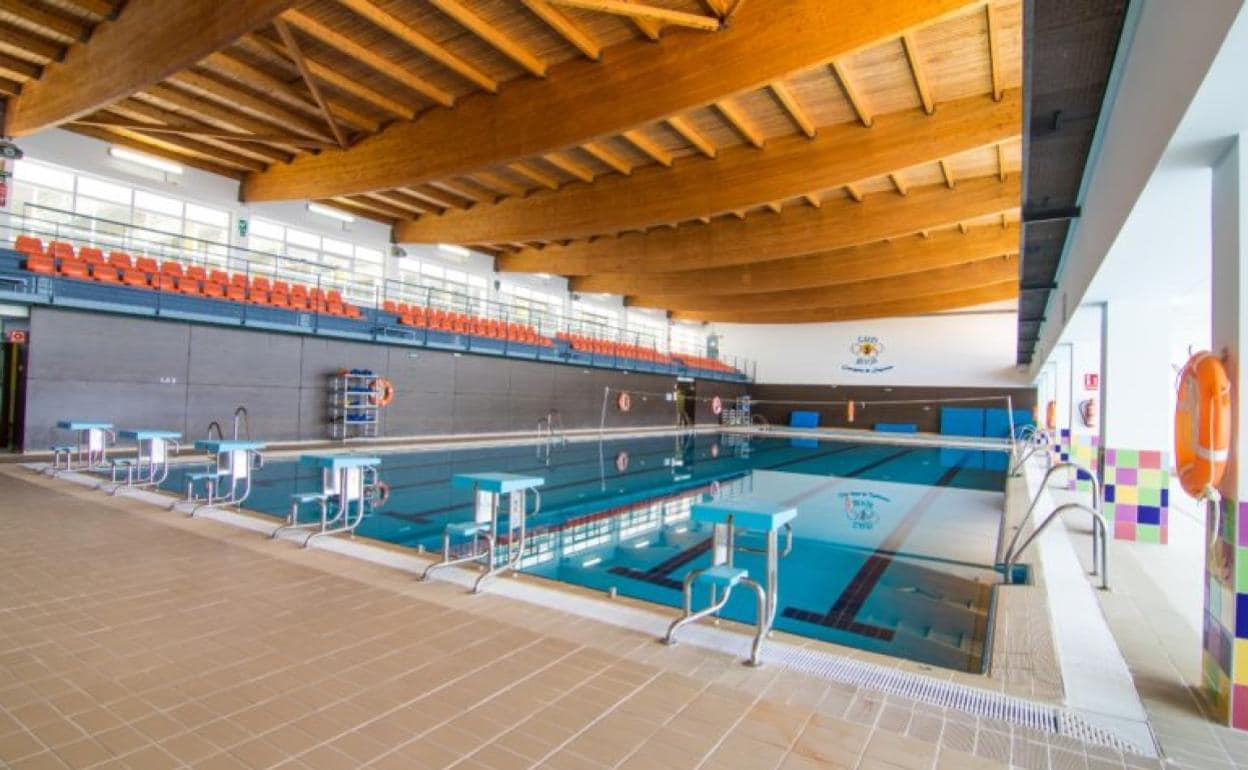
120	260
146	264
74	268
61	250
91	255
41	263
28	245
134	277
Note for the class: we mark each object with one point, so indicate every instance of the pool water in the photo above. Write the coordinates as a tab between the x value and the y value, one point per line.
893	545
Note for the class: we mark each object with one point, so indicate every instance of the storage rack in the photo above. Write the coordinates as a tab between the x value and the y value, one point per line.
353	409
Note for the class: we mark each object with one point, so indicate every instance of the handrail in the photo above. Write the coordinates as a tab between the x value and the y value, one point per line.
217	425
49	222
1098	526
1035	440
246	420
1096	499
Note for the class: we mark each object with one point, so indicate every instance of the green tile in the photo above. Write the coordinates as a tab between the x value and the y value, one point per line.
1127	458
1241	570
1152	478
1147	533
1149	495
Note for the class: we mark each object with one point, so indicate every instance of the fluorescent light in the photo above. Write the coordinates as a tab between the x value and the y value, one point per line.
544	276
329	211
122	153
592	562
451	248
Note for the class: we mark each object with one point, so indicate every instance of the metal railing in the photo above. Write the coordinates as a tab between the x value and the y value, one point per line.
51	224
1100	535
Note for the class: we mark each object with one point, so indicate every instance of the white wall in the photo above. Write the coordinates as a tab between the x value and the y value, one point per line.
1084	335
971	349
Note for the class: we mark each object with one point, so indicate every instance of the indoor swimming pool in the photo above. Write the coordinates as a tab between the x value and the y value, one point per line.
893	545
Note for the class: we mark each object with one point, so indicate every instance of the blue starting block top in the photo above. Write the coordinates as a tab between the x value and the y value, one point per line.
498	483
337	462
76	425
147	435
752	513
229	446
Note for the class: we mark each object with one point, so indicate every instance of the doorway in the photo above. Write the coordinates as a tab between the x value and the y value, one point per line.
12	396
686	401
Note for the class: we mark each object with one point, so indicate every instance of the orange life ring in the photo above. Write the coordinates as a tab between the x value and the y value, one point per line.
1202	423
717	405
381	494
624	402
849	412
383	392
621	462
1050	415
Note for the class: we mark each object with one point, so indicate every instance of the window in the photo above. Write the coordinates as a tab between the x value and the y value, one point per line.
593	322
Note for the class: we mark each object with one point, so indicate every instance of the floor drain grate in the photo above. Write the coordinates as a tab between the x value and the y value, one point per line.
937	692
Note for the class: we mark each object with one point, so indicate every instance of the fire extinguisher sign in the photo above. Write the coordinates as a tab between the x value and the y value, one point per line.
1091	381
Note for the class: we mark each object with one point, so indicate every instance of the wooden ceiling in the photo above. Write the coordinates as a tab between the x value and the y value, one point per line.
734	160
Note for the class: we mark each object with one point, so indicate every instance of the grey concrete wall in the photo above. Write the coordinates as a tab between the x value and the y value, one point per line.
145	373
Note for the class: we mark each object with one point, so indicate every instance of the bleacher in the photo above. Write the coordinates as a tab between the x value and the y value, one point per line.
61	273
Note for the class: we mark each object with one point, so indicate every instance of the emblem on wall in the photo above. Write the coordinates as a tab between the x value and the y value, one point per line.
861	508
867	352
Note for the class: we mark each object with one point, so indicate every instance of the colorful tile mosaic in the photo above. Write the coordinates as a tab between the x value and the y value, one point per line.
1225	658
1062	447
1082	450
1136	486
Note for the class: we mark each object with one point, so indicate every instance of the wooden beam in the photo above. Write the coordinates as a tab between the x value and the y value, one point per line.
99	10
420	42
296	55
901	255
359	208
567	28
260	80
742	122
504	43
369	58
105	135
527	171
608	156
899	184
935	303
684	126
331	77
918	72
994	51
968	275
467	190
853	193
562	162
19	69
135	117
257	107
947	173
212	113
9	87
793	108
152	40
200	131
1001	171
740	178
765	42
798	231
501	184
649	147
63	28
652	13
856	99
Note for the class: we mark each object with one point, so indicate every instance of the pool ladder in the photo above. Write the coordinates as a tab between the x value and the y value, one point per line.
1100	558
551	426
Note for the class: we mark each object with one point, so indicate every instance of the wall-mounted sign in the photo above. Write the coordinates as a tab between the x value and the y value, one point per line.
1091	381
243	226
16	336
867	351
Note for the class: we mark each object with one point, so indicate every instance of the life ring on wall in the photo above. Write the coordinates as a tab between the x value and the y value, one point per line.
621	462
1087	412
849	412
383	392
1050	415
717	406
624	402
1202	423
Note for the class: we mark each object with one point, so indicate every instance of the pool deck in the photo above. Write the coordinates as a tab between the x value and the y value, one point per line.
133	637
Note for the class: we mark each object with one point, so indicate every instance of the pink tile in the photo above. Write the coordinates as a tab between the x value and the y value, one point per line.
1124	530
1239	707
1150	459
1126	512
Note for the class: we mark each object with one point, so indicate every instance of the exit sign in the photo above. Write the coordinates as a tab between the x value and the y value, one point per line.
1091	381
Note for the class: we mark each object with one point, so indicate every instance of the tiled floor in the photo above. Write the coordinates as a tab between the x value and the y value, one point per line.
1161	641
133	638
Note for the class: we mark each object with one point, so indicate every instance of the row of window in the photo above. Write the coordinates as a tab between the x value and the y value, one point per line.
62	204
